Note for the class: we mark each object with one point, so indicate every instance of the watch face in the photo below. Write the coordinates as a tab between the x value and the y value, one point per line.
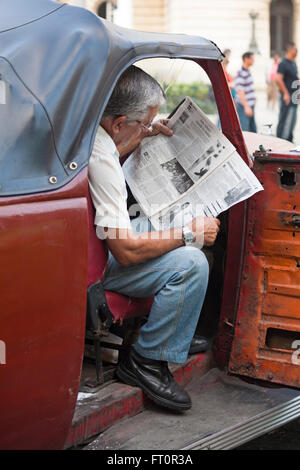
188	237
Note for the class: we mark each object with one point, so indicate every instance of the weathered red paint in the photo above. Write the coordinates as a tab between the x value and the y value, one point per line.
268	317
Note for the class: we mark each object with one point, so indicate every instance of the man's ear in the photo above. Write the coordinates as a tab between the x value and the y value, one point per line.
118	123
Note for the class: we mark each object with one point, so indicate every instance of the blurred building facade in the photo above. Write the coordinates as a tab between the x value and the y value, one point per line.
262	26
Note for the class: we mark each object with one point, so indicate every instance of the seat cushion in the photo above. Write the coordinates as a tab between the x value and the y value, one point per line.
123	307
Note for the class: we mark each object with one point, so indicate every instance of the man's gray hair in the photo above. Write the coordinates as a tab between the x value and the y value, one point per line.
134	93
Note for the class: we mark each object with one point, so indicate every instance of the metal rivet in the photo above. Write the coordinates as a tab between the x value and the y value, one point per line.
73	166
53	179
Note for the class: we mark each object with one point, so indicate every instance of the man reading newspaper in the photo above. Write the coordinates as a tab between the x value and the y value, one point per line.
197	169
163	263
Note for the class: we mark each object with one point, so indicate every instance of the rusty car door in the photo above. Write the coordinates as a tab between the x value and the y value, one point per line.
267	325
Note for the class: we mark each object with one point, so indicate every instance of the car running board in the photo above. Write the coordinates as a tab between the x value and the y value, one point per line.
227	412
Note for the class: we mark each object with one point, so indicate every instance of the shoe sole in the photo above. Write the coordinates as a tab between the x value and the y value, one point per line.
130	379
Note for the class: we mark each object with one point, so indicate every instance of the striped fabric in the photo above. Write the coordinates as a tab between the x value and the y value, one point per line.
244	81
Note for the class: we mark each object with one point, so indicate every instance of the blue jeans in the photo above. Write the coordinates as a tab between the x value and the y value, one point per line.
178	282
247	123
287	120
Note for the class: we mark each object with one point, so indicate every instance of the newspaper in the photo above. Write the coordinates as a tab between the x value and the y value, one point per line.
195	171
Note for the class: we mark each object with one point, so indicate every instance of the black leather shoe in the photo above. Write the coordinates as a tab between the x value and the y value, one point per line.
155	379
199	344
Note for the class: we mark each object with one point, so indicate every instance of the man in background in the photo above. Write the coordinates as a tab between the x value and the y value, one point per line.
287	81
245	94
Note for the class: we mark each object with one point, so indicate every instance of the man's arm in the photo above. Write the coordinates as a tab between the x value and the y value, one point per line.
282	88
129	248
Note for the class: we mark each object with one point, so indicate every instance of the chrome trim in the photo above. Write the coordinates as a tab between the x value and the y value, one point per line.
260	424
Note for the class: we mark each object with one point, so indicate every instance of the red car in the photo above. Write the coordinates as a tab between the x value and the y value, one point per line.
58	67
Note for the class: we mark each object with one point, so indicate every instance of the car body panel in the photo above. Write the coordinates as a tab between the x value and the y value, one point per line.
43	275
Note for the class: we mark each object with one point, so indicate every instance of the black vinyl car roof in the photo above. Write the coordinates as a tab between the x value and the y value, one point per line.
58	66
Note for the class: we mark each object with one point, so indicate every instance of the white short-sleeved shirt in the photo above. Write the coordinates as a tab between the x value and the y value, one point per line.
107	185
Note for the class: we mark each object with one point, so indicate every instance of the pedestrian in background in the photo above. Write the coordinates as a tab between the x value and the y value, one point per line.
229	78
245	94
272	88
287	81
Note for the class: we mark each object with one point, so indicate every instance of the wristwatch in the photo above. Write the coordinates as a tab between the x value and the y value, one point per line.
187	236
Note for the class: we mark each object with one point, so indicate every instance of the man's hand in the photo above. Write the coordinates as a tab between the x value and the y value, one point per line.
211	230
248	111
285	94
286	98
206	229
158	127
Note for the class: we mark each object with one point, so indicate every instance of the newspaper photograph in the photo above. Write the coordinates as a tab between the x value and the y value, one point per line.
195	171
